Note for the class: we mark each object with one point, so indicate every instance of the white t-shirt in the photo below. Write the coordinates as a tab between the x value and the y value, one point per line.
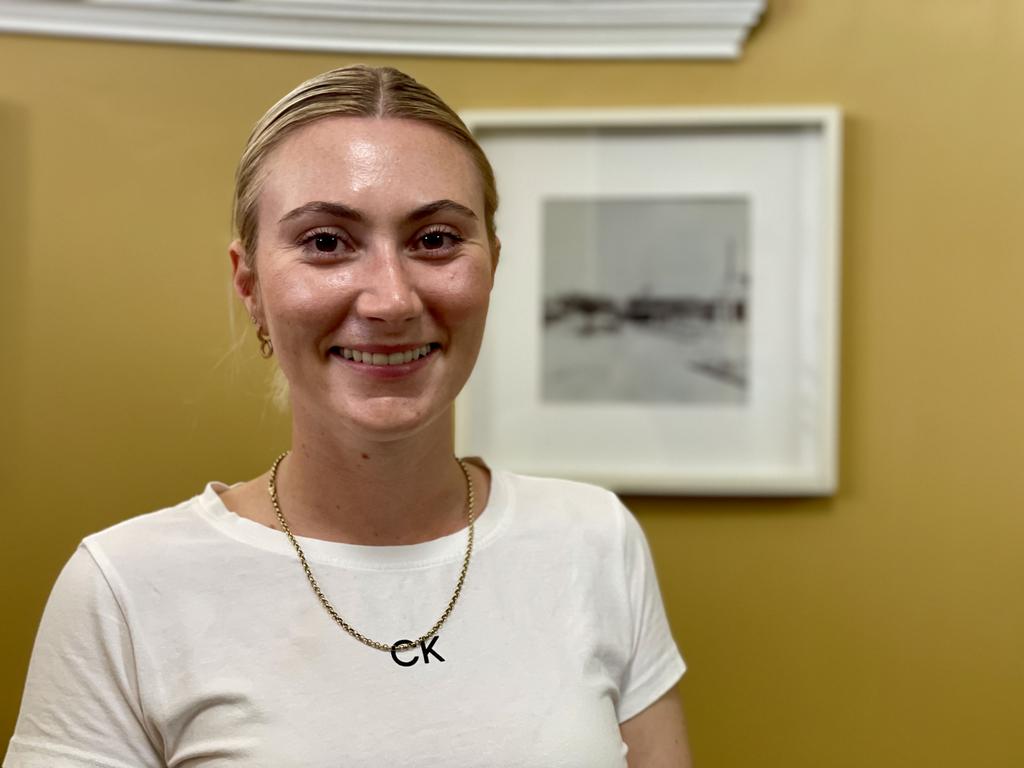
190	637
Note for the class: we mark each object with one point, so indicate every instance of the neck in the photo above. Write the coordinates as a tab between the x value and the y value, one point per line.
339	487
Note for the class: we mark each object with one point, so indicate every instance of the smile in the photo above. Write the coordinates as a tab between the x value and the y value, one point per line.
380	358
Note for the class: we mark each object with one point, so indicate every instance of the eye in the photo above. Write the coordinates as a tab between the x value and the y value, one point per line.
325	242
433	240
438	240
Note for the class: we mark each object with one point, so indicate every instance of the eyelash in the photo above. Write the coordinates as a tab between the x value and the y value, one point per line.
308	241
454	240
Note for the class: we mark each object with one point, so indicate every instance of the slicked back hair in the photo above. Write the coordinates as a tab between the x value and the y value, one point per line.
353	91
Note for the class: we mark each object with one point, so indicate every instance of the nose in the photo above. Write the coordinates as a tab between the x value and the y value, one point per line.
388	292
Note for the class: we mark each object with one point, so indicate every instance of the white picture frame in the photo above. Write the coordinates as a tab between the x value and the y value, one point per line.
778	170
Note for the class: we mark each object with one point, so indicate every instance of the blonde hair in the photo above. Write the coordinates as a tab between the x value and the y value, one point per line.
354	91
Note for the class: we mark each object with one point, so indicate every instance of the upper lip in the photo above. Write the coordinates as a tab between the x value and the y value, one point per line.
383	349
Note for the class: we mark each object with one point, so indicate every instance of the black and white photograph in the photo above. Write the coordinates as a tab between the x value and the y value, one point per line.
667	323
646	300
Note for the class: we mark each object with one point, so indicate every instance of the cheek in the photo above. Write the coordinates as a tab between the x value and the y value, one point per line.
305	297
465	294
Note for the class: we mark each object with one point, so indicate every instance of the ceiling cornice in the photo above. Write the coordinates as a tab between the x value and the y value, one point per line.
562	29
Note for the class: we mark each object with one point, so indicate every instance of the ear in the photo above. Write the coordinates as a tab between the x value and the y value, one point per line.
495	254
243	277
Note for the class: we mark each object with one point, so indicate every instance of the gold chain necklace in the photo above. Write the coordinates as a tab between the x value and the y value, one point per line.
272	487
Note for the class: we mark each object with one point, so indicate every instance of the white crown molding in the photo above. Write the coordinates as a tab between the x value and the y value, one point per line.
565	29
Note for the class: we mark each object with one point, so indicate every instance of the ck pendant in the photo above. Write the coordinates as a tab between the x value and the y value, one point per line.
405	646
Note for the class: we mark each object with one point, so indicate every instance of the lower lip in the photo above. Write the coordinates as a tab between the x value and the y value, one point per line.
387	371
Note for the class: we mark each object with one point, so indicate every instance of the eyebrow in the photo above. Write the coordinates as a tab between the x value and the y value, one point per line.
337	210
425	211
342	211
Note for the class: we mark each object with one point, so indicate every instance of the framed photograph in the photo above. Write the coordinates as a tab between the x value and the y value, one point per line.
665	313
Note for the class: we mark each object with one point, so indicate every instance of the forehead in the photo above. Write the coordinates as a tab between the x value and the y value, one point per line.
368	162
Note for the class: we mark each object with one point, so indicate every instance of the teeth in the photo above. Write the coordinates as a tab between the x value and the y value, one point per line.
378	358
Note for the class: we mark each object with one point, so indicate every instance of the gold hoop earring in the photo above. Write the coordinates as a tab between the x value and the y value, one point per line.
266	345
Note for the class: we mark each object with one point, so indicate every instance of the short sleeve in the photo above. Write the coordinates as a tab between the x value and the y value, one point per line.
655	664
82	705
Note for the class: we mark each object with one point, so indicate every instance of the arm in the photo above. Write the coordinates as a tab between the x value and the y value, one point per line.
657	736
82	706
650	710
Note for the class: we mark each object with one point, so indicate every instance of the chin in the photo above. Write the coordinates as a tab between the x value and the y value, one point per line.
386	420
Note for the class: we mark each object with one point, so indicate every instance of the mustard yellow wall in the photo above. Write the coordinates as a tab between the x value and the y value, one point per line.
882	627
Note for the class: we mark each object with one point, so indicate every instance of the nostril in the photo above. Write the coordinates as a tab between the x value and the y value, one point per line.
390	303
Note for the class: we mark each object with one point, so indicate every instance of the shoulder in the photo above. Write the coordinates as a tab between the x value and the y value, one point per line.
577	511
164	538
556	495
169	520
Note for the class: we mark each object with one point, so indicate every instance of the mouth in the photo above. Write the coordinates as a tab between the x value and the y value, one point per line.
403	357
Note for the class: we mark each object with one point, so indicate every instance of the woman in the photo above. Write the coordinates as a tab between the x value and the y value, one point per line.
370	600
